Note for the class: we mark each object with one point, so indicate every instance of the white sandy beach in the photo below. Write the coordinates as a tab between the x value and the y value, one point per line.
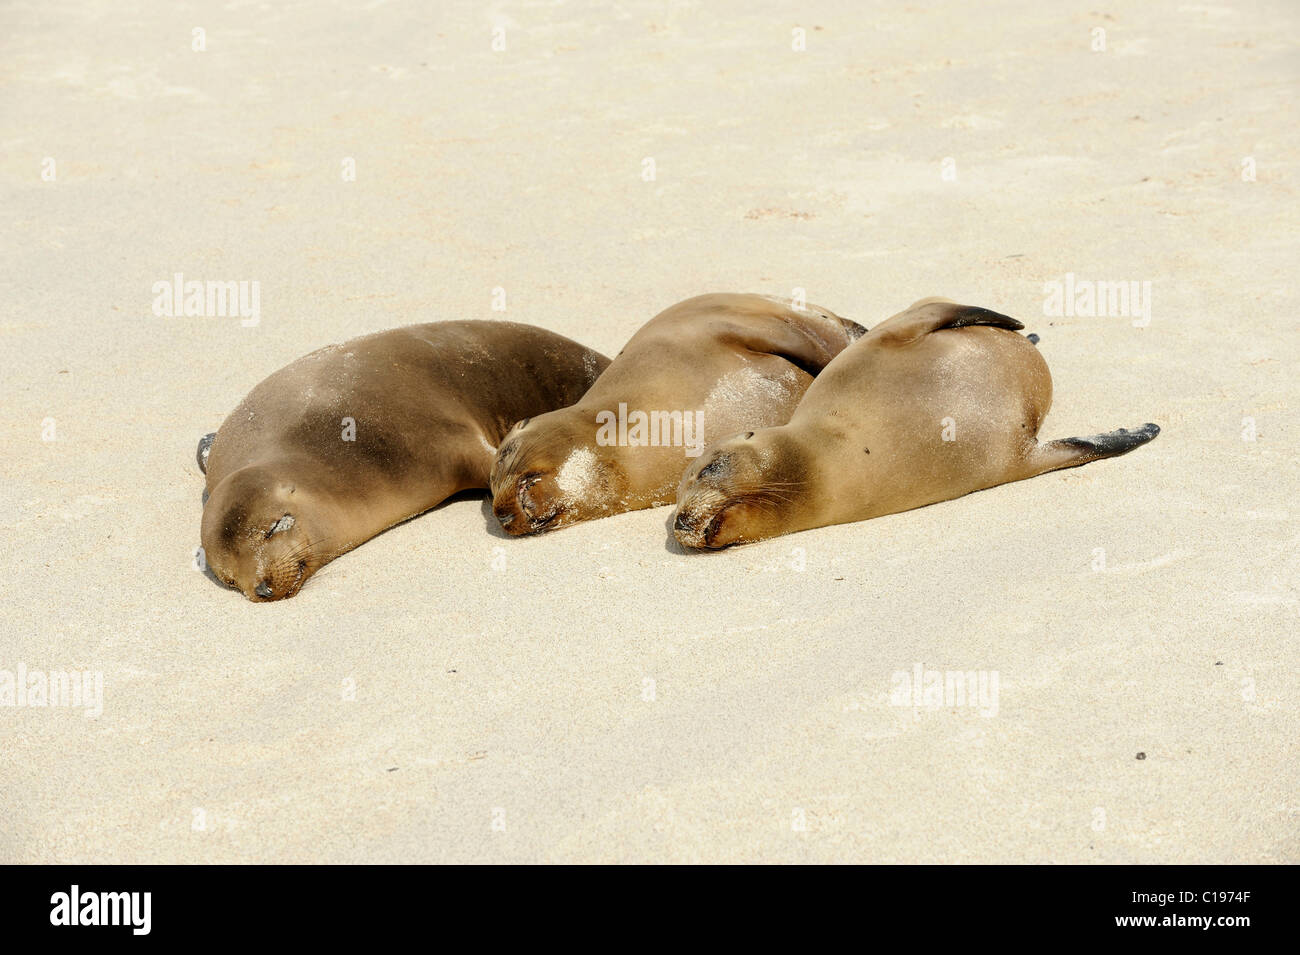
444	693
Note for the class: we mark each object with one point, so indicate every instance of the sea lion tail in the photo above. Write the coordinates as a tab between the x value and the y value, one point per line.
205	446
1072	452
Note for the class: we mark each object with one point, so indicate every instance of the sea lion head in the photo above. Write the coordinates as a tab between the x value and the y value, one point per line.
746	487
550	472
259	536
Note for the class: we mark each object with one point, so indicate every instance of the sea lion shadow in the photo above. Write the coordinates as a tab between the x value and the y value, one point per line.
459	496
490	522
207	572
677	550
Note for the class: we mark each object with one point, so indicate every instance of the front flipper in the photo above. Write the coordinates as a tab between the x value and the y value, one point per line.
807	336
934	314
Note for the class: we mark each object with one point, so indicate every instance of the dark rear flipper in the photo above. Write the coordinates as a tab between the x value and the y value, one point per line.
932	315
205	445
1072	452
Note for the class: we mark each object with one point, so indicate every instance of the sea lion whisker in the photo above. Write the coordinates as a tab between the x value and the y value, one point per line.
296	553
770	496
305	549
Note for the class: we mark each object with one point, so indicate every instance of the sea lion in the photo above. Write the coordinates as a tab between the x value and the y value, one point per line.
936	402
354	438
702	368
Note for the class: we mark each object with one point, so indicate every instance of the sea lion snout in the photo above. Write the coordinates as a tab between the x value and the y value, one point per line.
548	475
283	580
255	543
699	518
538	500
528	505
704	495
739	491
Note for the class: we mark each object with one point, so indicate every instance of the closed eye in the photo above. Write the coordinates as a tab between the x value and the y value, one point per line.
283	524
713	467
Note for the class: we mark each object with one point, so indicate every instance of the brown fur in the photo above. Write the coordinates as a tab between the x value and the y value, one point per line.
869	436
739	360
430	403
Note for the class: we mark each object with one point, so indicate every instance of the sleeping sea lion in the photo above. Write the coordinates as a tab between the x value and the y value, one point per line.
701	369
354	438
934	403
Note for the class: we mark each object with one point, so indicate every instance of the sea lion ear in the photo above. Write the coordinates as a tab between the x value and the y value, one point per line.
283	524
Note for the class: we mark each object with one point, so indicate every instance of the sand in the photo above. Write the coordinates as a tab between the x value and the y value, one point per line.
447	694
